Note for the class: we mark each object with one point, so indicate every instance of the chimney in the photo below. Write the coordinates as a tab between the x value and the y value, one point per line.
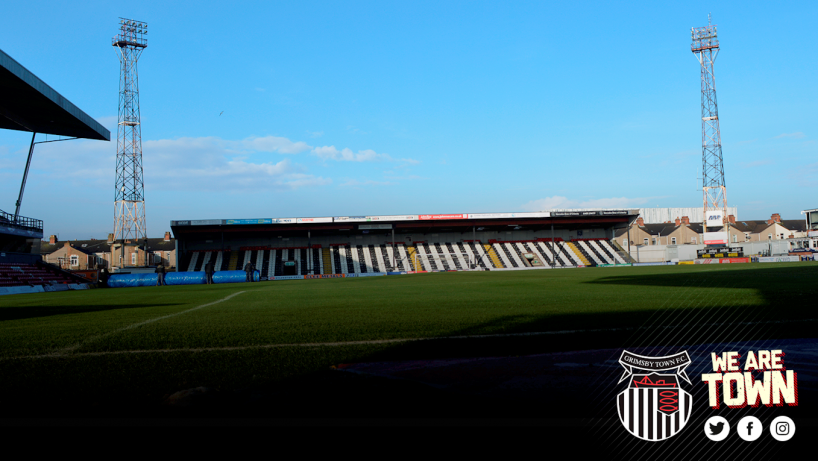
67	245
685	220
110	238
731	219
640	222
775	218
678	222
167	236
52	239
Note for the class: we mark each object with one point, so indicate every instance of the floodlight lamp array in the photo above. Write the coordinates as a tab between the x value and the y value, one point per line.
132	33
704	38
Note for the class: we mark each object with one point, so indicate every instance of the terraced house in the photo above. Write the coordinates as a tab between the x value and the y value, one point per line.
96	254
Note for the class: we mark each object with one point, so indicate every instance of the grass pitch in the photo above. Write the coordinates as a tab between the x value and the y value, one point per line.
141	344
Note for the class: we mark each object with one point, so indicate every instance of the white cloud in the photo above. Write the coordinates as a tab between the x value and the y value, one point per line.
796	135
356	183
347	155
559	202
197	164
275	144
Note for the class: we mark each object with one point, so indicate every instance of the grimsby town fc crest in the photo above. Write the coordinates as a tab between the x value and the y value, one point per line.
654	407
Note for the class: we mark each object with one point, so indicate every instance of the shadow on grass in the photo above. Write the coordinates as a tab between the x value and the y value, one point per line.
298	382
29	312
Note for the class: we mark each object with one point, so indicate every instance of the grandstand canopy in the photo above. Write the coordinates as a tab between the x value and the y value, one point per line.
461	222
28	104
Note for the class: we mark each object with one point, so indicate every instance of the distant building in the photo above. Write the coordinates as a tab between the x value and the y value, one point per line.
666	215
683	231
73	258
96	254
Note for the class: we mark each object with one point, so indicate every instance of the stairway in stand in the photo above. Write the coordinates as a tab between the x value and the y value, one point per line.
493	256
327	261
411	251
234	260
578	253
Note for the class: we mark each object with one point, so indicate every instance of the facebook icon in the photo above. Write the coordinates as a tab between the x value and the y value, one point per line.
749	428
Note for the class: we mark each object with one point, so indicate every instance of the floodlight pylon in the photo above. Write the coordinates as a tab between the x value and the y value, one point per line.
129	198
706	47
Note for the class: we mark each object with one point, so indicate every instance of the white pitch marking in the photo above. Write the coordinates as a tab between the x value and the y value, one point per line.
345	343
139	324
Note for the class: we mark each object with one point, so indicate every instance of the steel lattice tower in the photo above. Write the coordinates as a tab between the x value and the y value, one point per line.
129	200
706	47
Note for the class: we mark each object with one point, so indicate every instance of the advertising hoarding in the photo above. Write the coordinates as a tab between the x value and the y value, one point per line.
249	221
715	238
198	222
412	217
313	220
538	214
428	217
714	218
722	252
614	212
570	214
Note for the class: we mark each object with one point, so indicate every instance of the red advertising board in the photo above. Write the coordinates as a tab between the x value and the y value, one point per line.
427	217
733	260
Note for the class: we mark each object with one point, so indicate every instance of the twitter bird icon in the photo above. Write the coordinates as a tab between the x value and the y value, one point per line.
716	428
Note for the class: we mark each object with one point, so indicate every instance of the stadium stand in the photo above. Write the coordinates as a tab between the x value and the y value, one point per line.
605	258
301	246
350	264
193	260
548	250
501	253
597	252
356	255
412	257
514	253
531	248
326	262
586	251
489	250
575	253
380	264
601	254
15	274
30	105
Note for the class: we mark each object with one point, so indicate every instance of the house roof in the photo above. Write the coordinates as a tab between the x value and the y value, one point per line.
752	227
102	246
759	226
662	229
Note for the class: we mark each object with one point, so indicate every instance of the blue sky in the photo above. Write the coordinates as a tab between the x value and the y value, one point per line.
353	108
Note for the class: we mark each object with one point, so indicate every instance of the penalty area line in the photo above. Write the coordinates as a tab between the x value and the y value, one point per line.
366	342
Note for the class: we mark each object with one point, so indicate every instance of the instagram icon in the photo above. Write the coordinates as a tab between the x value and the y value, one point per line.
782	428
